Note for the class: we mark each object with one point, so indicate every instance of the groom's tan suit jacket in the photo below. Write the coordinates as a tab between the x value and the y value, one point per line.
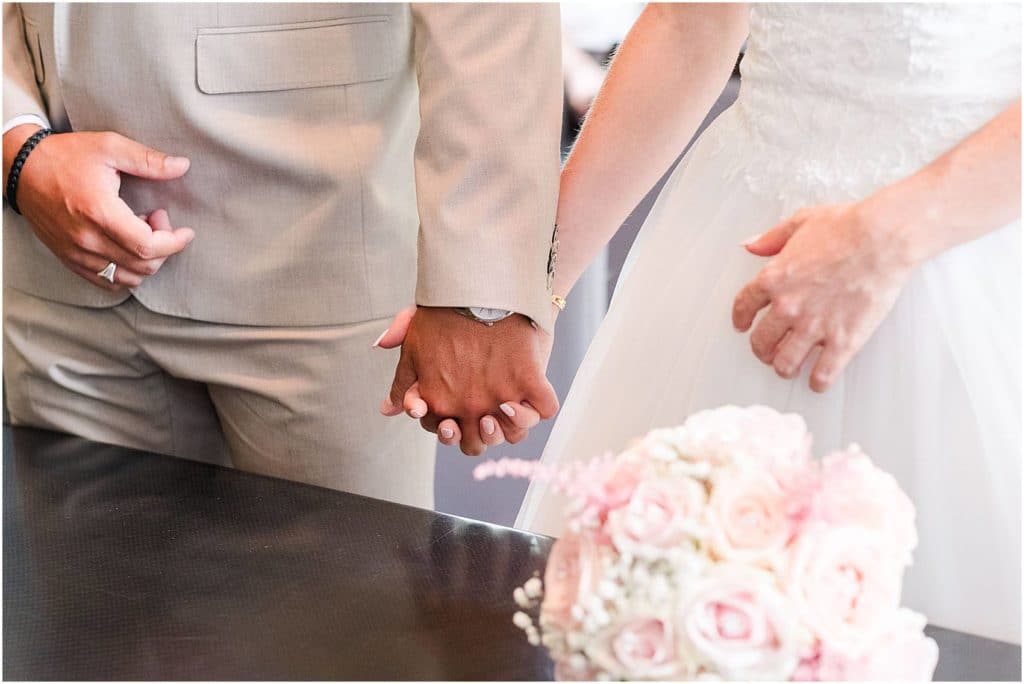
330	144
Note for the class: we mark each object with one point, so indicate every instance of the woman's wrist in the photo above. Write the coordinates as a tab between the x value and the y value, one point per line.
906	219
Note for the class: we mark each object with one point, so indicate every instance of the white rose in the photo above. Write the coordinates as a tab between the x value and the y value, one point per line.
755	434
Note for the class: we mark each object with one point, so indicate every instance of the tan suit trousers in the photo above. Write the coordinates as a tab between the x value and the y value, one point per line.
299	403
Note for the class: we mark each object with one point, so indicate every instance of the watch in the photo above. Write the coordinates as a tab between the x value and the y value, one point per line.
484	315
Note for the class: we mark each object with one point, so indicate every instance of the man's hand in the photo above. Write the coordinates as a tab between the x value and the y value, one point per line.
464	370
68	191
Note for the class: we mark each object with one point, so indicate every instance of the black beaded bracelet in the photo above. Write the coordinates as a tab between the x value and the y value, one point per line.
14	174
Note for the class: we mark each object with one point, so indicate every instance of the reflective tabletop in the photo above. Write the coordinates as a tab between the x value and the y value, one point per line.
118	564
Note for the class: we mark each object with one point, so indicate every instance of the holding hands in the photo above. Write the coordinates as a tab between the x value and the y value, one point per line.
472	384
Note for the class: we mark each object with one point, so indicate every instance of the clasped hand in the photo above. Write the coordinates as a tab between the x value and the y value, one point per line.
472	384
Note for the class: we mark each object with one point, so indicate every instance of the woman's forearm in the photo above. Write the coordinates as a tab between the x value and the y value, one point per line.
971	190
666	76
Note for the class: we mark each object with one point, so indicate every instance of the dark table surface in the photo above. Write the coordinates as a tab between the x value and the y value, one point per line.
119	564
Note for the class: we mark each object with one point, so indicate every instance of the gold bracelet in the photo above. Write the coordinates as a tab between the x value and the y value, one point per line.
559	302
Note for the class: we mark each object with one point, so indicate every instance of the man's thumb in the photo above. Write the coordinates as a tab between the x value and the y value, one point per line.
405	376
136	159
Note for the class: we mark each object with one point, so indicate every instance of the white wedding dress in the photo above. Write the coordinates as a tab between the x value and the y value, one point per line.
836	101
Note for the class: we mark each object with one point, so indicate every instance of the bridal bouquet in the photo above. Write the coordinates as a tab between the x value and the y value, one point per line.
722	549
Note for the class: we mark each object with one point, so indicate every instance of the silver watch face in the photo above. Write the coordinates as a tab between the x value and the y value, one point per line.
489	315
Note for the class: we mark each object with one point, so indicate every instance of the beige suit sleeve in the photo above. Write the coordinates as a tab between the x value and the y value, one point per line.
21	94
487	156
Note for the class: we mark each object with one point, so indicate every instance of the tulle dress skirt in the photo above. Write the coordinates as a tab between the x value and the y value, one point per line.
934	397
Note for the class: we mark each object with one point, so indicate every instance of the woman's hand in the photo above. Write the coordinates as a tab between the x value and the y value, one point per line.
835	275
838	269
68	191
514	425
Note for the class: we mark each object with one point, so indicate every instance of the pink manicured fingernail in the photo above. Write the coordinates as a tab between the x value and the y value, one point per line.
385	407
752	239
507	409
488	426
376	342
417	412
447	432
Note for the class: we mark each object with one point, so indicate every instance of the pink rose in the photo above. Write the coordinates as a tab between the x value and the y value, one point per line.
855	492
748	517
846	584
662	514
637	646
902	652
809	668
737	623
801	485
573	569
613	486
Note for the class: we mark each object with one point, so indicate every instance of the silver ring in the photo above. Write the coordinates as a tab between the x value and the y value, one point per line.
108	272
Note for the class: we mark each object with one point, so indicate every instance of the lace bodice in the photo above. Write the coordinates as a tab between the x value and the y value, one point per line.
840	99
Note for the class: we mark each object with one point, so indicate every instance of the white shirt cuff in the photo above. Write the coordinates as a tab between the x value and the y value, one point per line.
23	119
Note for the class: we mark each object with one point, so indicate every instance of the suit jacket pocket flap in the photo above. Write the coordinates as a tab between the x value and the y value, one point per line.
285	56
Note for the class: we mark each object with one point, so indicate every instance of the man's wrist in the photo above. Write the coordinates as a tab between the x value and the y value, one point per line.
484	315
13	140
